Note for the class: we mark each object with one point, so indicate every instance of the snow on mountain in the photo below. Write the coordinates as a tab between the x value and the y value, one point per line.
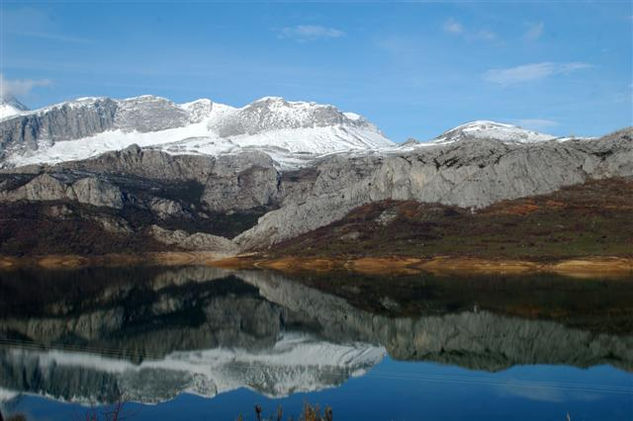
483	129
10	106
293	133
290	131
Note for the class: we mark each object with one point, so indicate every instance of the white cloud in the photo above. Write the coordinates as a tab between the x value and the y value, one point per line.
453	27
19	87
534	32
530	72
310	32
536	123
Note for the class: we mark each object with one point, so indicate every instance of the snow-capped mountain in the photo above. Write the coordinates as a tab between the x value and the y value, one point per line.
483	129
290	132
10	106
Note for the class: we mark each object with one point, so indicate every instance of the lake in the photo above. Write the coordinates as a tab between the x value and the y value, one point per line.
201	343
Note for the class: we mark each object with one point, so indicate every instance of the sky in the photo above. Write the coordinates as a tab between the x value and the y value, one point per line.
415	69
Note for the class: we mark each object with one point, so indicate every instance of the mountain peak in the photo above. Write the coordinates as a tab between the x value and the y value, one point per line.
271	99
146	98
487	129
10	106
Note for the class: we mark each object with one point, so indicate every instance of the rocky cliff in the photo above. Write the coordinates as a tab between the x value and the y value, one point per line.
465	174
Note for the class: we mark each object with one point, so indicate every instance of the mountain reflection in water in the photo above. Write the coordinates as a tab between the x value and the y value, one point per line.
150	334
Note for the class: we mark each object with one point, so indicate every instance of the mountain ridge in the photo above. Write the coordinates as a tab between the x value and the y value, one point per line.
289	131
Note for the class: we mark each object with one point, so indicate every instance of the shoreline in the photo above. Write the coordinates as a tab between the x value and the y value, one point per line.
579	267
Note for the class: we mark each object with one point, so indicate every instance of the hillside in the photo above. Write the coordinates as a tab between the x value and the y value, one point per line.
590	219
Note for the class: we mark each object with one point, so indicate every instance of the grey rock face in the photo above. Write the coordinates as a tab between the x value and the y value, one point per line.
146	163
241	181
230	182
95	192
465	174
227	183
165	208
87	117
276	113
197	241
148	114
58	123
90	191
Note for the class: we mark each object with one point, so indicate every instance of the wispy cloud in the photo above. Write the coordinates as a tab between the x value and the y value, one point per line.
531	72
310	32
534	31
456	28
453	27
536	123
19	87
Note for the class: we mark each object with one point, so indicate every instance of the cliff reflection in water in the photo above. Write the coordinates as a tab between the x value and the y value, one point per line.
150	334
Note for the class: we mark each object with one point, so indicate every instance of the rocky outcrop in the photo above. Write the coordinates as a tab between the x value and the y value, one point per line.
57	123
243	181
86	117
274	113
197	241
229	182
45	187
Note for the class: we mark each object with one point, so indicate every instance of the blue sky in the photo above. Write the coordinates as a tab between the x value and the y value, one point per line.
415	69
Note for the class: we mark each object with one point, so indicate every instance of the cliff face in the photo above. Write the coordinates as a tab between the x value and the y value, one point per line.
64	122
87	117
465	174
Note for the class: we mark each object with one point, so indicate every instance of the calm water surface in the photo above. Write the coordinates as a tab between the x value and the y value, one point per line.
204	343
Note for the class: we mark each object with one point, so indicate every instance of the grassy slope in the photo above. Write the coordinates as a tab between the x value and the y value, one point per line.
593	219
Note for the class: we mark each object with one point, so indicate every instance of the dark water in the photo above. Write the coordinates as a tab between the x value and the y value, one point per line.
204	343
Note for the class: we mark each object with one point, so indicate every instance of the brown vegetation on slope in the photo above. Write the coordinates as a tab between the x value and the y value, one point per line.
588	220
